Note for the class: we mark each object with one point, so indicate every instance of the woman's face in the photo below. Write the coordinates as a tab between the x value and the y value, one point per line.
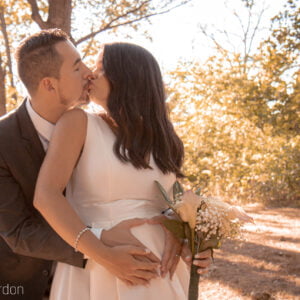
99	88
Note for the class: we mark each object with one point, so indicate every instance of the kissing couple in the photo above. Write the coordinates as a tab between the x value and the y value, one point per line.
78	188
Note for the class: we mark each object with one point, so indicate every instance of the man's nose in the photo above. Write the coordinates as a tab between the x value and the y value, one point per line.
92	77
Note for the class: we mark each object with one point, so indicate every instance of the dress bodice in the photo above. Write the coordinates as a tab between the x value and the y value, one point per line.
104	189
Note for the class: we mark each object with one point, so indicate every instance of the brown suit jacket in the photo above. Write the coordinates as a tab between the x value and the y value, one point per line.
28	245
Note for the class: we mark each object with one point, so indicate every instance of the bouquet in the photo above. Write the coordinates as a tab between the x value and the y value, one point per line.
204	221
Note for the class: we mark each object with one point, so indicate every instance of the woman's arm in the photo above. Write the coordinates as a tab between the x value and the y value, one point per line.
62	155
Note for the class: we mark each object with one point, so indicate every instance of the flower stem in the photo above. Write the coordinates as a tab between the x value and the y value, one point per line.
194	283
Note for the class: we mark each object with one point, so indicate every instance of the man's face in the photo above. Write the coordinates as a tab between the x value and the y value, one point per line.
73	82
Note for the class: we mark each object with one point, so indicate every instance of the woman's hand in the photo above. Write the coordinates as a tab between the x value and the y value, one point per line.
202	259
121	262
172	248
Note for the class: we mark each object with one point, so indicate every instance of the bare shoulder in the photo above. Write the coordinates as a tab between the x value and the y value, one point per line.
74	120
71	127
73	116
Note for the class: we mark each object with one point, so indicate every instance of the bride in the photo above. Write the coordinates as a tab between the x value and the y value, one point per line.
109	164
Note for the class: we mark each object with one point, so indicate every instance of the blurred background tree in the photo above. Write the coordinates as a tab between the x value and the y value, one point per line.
94	16
239	115
237	112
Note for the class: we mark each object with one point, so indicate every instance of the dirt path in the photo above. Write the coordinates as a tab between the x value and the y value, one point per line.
265	266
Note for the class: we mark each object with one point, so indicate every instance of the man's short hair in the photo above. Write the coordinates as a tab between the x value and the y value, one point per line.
37	57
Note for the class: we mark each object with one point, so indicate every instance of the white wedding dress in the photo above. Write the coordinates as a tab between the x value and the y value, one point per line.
105	191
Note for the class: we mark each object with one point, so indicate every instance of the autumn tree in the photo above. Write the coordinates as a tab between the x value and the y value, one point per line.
82	20
240	129
9	32
279	60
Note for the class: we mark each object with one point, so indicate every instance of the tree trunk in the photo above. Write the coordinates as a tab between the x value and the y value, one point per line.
7	51
59	15
2	90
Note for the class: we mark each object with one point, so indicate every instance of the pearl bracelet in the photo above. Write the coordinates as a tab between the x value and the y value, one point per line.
79	236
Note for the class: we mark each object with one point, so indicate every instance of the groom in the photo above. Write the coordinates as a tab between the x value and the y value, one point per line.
28	245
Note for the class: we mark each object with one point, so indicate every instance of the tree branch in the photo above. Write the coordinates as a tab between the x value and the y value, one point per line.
35	15
218	46
110	26
255	29
88	46
228	39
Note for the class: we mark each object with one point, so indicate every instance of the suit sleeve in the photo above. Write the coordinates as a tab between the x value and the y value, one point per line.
25	231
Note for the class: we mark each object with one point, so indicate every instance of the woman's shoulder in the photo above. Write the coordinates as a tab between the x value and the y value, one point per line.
74	120
75	116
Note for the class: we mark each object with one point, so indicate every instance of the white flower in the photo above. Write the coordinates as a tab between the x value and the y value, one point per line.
236	212
187	208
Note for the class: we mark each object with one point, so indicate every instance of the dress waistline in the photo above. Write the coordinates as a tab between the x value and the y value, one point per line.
113	212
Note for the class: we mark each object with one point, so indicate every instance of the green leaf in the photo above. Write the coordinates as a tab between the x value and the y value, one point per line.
167	199
177	190
164	193
213	243
198	192
176	227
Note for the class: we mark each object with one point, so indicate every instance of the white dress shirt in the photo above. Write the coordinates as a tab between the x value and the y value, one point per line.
42	126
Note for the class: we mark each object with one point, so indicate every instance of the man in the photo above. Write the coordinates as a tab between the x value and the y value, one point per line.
57	80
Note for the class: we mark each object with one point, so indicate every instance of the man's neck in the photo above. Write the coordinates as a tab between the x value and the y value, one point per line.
49	113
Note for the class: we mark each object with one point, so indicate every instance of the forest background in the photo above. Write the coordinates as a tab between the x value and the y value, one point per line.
237	108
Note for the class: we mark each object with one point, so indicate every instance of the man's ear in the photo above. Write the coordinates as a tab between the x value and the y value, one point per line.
48	84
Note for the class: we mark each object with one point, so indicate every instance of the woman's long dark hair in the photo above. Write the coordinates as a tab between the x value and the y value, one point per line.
137	105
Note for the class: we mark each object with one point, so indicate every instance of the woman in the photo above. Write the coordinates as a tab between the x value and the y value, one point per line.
110	164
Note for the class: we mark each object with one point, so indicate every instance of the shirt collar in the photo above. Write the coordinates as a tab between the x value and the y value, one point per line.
43	127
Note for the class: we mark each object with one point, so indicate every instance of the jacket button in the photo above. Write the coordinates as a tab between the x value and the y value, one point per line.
45	272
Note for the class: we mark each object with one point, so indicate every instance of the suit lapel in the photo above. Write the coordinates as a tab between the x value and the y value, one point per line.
29	135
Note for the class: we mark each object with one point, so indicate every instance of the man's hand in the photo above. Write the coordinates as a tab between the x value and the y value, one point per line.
172	250
131	261
120	235
121	261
